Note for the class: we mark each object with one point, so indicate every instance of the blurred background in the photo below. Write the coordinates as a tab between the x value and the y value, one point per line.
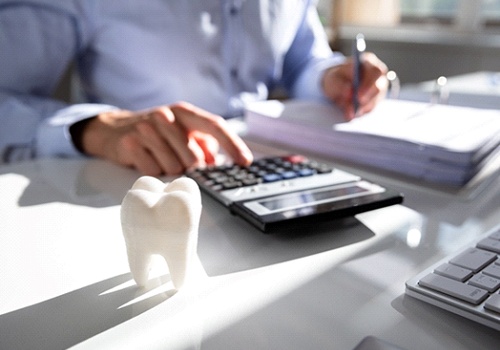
420	40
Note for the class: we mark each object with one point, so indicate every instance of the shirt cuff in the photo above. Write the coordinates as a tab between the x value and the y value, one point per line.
53	136
309	84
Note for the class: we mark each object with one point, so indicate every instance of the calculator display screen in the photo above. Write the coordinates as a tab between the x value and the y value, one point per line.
308	205
307	197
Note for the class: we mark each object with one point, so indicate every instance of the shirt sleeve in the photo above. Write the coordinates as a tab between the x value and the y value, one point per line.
308	57
37	43
53	137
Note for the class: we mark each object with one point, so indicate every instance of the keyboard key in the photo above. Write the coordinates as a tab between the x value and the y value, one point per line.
495	235
492	270
489	244
476	297
454	272
485	282
474	259
493	303
459	290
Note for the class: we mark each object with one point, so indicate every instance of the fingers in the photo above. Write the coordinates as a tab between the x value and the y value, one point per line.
166	158
130	152
374	82
374	94
208	144
166	144
194	135
338	87
163	140
338	84
194	118
166	130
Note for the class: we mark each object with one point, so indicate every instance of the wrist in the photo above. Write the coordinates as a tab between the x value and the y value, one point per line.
77	131
327	79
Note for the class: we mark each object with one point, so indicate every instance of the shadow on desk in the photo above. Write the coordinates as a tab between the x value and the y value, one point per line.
88	182
71	318
436	322
229	244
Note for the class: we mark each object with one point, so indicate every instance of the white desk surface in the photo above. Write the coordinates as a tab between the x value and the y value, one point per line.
64	278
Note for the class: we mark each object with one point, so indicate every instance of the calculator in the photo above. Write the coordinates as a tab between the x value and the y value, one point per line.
276	191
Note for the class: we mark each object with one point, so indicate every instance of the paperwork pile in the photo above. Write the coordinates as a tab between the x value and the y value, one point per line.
436	143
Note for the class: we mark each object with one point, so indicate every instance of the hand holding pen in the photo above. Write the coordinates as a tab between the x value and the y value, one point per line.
357	85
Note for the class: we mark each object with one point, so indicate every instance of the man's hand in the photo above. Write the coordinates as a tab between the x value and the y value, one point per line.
338	82
163	140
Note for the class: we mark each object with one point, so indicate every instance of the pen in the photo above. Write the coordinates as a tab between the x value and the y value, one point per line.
358	48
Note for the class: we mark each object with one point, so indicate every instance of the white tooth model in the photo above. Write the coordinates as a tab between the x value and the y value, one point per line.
163	218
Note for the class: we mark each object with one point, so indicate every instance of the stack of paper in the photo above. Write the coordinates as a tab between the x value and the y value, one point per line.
437	143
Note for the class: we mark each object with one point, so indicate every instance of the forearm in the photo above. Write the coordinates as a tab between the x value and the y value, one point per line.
39	127
308	58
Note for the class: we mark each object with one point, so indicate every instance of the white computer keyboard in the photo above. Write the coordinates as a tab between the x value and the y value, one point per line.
466	283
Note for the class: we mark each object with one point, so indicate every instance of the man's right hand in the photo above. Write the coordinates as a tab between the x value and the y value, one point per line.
163	140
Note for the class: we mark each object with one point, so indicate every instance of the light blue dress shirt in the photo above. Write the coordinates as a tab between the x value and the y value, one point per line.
131	54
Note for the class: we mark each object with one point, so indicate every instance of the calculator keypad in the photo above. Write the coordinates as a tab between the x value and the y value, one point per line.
266	170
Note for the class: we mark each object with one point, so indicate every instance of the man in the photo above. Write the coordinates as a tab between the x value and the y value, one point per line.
137	59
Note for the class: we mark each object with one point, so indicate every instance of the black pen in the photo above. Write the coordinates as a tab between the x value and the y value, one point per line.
358	49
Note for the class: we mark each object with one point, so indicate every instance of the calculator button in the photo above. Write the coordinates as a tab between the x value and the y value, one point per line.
265	170
271	177
217	187
271	168
306	172
295	159
229	185
250	182
322	168
289	175
209	183
215	175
